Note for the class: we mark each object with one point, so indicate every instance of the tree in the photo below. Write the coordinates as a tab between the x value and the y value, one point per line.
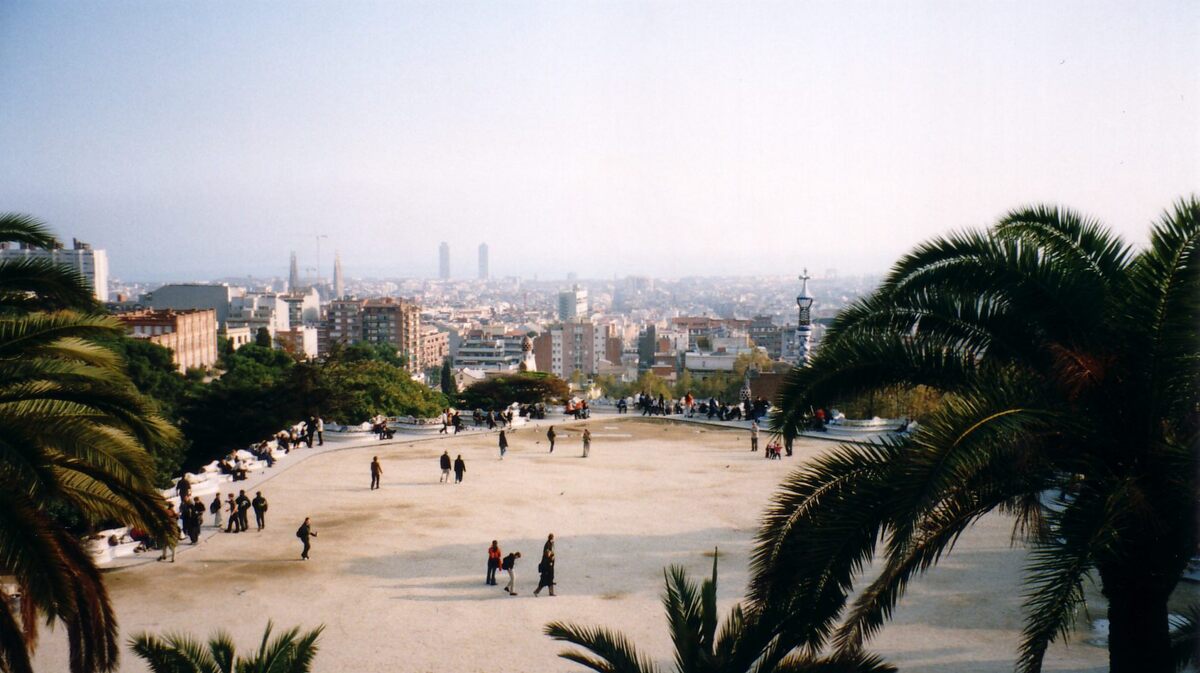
74	433
755	359
1069	369
292	651
153	372
522	388
449	385
262	338
745	643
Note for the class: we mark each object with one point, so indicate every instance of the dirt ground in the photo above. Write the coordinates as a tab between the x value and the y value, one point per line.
397	574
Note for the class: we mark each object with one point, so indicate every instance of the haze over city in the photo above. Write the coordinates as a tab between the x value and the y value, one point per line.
196	141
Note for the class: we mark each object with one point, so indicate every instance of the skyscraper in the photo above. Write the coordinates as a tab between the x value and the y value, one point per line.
444	261
339	283
483	261
294	274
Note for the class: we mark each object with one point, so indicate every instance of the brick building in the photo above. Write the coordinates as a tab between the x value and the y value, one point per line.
191	334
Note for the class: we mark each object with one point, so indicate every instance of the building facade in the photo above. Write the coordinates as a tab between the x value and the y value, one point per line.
179	296
573	304
396	322
191	334
435	347
90	263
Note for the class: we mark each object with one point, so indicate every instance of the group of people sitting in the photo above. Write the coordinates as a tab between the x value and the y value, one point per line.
579	410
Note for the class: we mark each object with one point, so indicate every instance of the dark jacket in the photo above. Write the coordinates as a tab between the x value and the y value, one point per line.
243	503
445	462
509	562
459	465
259	503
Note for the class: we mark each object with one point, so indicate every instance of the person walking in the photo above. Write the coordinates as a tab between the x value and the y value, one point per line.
493	562
445	418
548	548
259	503
509	565
444	461
545	574
503	445
459	468
376	472
215	508
550	435
231	511
304	533
587	442
754	435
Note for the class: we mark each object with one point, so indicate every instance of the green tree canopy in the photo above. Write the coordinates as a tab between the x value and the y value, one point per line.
523	388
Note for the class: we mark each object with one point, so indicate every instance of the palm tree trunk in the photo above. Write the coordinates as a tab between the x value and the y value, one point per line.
1139	636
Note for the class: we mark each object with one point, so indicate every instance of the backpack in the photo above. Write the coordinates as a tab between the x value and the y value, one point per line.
300	532
215	506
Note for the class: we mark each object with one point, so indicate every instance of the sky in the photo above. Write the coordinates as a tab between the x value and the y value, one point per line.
195	140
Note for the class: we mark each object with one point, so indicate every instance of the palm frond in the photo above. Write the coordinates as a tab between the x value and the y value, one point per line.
614	653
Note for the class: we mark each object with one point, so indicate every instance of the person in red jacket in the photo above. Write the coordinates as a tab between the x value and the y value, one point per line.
493	564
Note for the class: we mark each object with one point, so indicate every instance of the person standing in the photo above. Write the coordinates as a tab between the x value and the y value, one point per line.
320	431
310	430
545	574
376	472
215	508
445	418
493	562
304	533
459	468
184	489
509	565
587	442
259	503
754	435
503	445
198	510
444	461
187	517
243	511
550	435
548	548
232	526
168	544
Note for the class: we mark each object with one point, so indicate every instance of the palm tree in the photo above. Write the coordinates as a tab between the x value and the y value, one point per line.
1070	368
289	652
745	643
73	432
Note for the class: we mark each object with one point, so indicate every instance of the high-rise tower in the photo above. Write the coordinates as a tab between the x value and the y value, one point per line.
483	261
803	321
339	283
444	261
294	274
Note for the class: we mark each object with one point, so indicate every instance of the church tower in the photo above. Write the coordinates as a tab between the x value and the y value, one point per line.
804	304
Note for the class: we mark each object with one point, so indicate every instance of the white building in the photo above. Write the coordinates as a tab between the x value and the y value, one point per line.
90	263
258	309
573	304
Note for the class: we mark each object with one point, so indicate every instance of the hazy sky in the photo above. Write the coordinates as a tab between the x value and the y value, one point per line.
199	139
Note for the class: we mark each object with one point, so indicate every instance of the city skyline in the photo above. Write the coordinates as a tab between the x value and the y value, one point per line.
207	141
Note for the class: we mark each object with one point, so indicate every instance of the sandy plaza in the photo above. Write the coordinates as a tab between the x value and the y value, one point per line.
397	574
